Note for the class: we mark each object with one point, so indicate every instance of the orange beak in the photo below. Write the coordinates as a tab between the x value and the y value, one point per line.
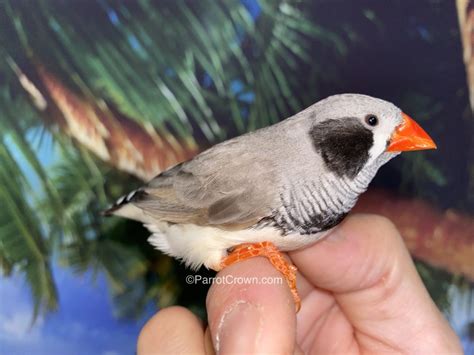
409	136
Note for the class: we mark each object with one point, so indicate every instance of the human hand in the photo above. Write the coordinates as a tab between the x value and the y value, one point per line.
360	294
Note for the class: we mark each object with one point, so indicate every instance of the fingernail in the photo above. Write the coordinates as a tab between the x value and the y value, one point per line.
239	329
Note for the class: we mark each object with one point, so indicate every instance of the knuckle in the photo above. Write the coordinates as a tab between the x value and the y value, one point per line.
384	223
160	325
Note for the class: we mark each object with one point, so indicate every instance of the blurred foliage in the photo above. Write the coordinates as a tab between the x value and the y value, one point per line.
204	70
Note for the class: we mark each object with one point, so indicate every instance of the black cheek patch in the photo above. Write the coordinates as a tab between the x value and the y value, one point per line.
344	145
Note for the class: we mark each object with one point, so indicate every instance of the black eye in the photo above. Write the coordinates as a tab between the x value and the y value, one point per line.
372	120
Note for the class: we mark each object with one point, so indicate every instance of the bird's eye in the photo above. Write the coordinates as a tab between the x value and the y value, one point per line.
372	120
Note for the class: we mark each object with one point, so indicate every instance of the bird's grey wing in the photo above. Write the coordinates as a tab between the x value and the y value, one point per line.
229	186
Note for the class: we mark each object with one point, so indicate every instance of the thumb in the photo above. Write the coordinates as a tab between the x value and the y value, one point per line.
251	310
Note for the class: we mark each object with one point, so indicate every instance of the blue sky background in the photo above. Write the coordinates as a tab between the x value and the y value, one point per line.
84	324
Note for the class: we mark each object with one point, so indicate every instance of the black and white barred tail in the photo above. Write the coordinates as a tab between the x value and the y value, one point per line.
123	200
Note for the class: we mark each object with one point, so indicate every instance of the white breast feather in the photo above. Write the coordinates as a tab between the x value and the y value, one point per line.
198	245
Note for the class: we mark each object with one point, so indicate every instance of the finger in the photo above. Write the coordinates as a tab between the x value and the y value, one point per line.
366	265
173	330
354	256
252	317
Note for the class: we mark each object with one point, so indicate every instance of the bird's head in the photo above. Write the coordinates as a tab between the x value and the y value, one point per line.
353	131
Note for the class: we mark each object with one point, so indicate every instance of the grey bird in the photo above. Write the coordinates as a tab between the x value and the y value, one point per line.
279	188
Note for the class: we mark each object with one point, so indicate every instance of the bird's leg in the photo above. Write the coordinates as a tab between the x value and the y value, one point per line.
269	250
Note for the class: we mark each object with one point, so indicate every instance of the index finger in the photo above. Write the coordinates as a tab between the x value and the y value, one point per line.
251	310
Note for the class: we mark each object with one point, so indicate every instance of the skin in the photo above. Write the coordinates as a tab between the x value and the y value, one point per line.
360	294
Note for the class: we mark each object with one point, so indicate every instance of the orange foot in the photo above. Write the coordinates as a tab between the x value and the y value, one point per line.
269	250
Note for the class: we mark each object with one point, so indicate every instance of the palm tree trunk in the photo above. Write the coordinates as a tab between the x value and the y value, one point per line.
466	25
114	138
443	239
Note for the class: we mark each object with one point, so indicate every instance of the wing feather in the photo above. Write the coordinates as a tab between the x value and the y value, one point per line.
227	186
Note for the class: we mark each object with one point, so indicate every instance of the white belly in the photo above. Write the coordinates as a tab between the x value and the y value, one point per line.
196	245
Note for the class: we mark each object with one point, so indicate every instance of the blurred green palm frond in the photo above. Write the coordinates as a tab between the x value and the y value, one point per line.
176	64
24	245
